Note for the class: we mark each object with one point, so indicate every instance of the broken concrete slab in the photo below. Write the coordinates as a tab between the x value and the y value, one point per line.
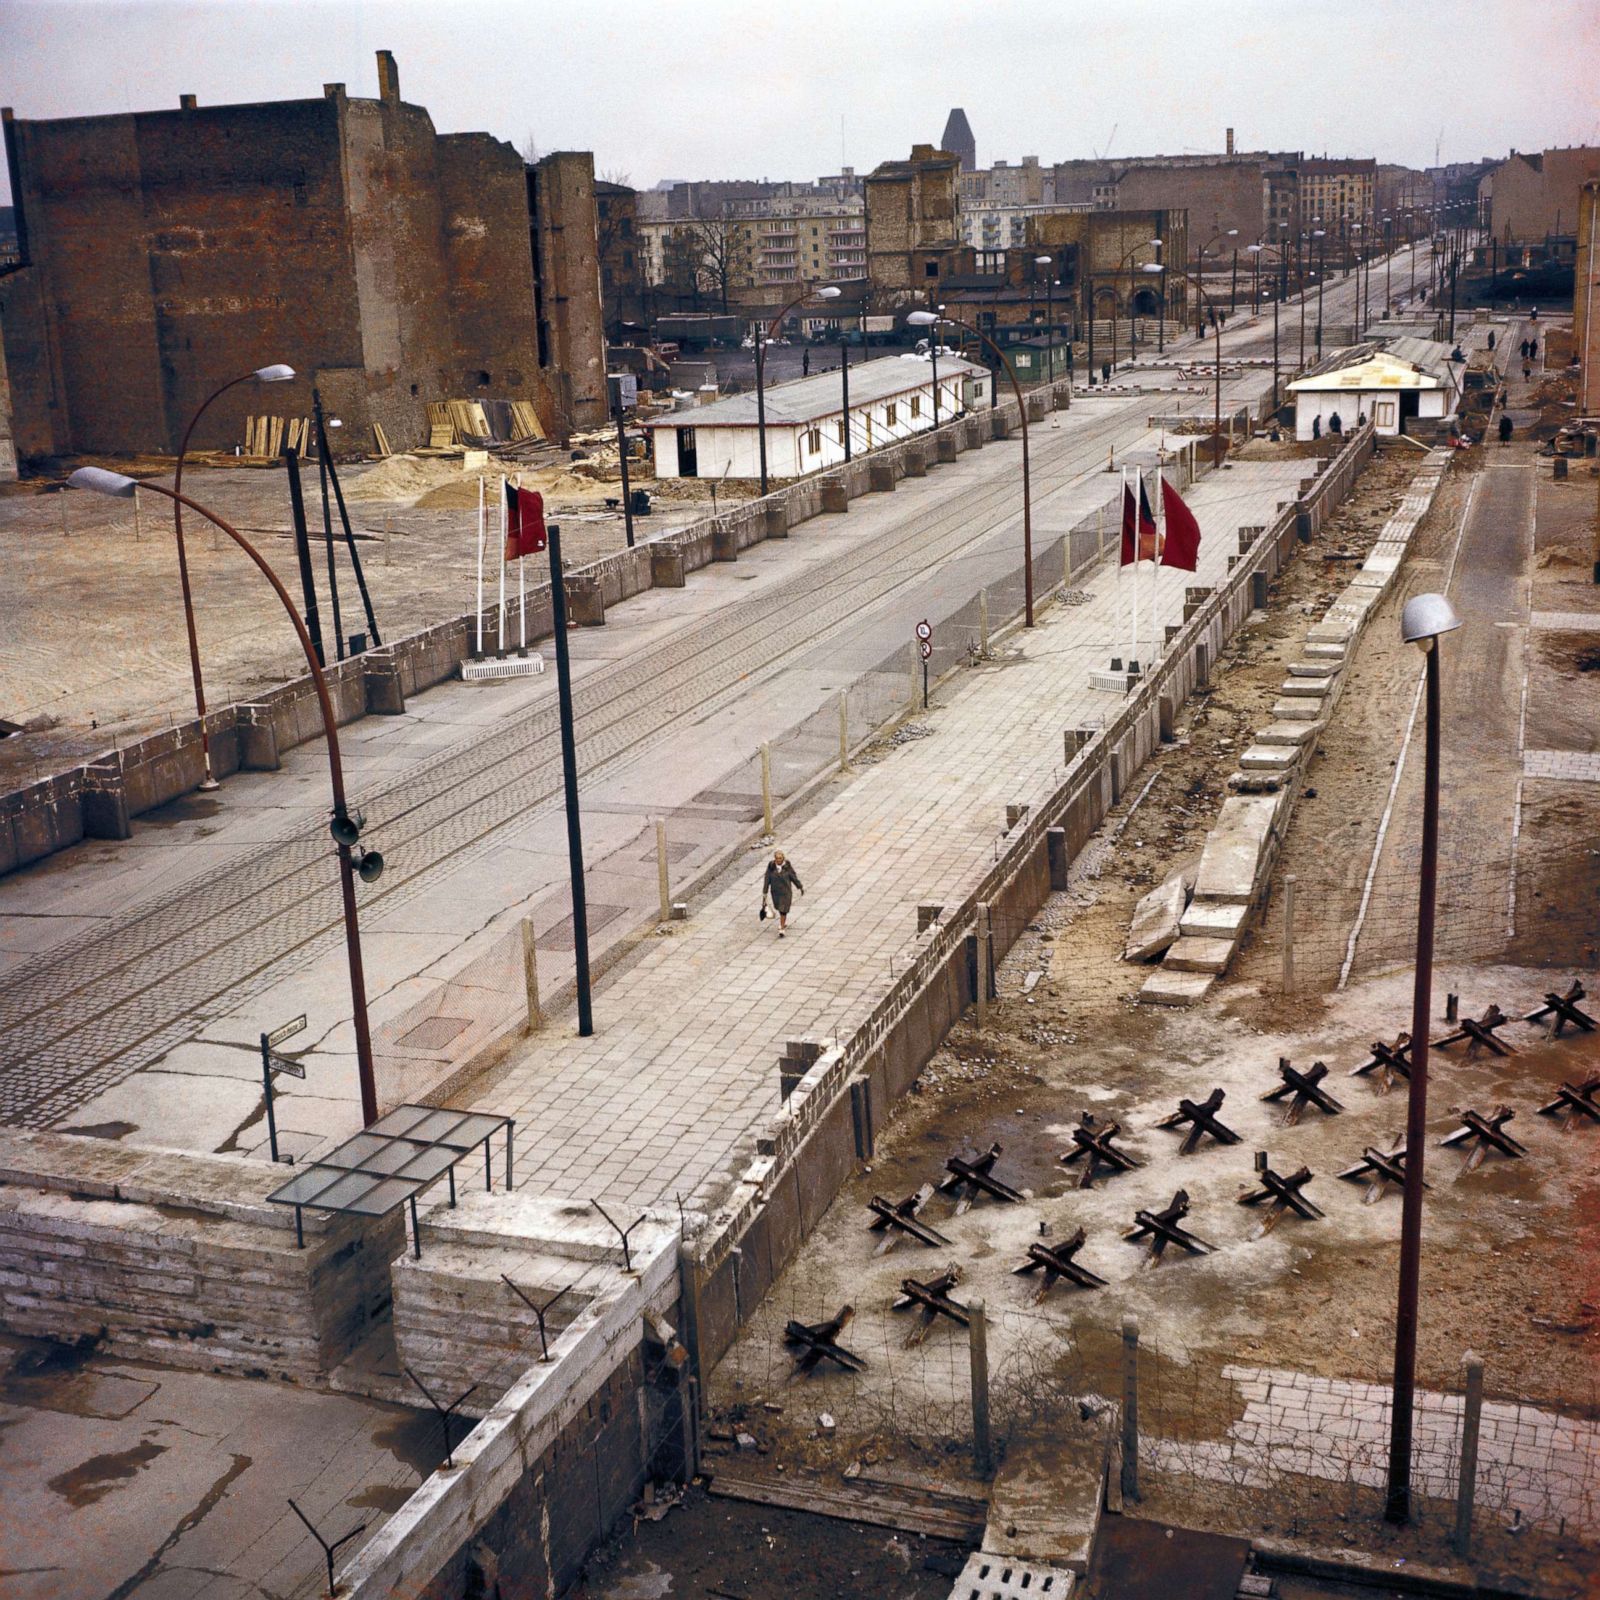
1200	955
1297	710
1314	669
1294	688
1288	732
1324	649
1046	1501
1231	860
1166	988
1156	917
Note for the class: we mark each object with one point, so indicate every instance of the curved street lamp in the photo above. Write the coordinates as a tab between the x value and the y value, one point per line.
1049	264
1258	250
931	321
346	824
763	334
1216	323
1424	619
276	373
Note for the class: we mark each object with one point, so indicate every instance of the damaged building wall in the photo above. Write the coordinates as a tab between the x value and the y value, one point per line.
170	251
566	258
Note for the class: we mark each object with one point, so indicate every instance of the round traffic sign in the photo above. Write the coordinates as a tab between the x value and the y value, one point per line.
927	650
924	630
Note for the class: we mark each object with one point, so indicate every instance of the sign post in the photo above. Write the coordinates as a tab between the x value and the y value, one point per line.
271	1063
925	649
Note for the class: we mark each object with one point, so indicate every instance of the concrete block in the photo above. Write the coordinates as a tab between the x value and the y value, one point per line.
724	542
1156	917
775	520
1293	688
880	477
1326	650
1297	710
916	461
1213	919
1165	988
1324	669
258	740
1269	758
586	601
666	567
1295	733
945	446
1231	861
1199	955
381	684
835	496
1000	424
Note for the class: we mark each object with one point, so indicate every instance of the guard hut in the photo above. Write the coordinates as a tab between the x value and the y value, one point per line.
1403	385
890	399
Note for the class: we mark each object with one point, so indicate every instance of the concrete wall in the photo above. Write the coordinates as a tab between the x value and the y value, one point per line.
571	323
178	1259
8	445
1586	302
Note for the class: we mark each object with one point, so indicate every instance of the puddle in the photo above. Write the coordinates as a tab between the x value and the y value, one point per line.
95	1478
413	1439
104	1130
384	1497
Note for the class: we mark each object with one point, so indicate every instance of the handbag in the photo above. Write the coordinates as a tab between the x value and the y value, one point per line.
763	917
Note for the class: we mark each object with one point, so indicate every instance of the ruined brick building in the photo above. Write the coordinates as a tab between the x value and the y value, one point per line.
165	252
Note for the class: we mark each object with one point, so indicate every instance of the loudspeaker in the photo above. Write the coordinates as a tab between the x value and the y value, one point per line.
346	827
368	865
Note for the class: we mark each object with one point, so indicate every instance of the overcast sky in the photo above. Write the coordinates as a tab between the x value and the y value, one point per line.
748	88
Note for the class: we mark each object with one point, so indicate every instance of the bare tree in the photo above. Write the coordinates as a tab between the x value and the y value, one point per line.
529	148
717	240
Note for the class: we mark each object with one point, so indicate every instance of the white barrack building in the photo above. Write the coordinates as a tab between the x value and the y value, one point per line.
1392	382
891	398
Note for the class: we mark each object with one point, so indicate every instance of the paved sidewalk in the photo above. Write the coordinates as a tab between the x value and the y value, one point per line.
682	1070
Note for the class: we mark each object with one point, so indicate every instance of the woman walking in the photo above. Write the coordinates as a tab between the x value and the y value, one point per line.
780	883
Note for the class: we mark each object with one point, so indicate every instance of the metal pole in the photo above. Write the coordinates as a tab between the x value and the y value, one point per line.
302	550
1216	453
844	731
766	788
266	1090
349	537
982	987
983	622
761	399
933	352
1130	1409
1397	1507
327	525
844	380
1088	285
1288	932
569	772
627	498
1467	1477
978	1354
530	976
663	880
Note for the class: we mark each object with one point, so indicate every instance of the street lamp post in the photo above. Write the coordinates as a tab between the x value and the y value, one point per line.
276	373
1320	234
346	824
931	320
1424	618
763	333
1258	250
1048	263
1216	323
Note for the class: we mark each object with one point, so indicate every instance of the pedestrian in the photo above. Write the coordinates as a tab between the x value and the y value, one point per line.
805	363
1533	349
1527	372
1336	424
1505	429
1524	349
780	883
1491	338
1316	427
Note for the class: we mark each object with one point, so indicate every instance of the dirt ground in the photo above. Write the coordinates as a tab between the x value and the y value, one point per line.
1509	1268
92	644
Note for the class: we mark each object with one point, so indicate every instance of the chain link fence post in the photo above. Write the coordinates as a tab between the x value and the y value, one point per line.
1130	1408
1467	1478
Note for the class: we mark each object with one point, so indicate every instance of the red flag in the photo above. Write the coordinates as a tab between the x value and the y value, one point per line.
1181	547
525	532
1147	526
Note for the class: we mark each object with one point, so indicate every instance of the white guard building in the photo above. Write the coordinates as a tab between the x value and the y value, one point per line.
1393	382
891	398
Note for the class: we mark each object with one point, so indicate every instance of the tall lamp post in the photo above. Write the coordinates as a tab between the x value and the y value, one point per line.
763	333
1258	250
1216	323
276	373
1143	244
1424	618
345	825
1049	264
931	320
1200	263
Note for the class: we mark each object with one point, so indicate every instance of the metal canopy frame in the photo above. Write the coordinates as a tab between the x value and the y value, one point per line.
390	1163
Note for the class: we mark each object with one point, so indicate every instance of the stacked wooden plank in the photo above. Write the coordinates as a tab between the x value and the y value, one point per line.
266	437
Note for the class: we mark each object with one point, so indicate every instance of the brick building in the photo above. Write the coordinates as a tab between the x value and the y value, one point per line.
1337	191
621	252
1586	312
913	222
165	252
1098	256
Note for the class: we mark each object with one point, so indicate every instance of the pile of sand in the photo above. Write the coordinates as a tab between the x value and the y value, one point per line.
403	478
559	487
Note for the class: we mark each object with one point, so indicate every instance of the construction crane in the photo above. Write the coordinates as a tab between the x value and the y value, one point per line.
1100	155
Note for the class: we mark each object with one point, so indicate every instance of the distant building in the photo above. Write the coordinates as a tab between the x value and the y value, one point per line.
622	260
891	399
1532	198
958	140
1335	191
164	252
1586	305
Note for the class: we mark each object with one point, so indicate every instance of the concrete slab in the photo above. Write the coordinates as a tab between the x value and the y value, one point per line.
1210	919
1295	733
1313	669
1269	758
1156	917
1231	860
1200	955
1176	988
1045	1503
1297	710
1325	649
1297	688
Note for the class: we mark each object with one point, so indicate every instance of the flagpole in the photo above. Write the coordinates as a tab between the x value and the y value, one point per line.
522	589
1133	654
477	655
500	622
1161	546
